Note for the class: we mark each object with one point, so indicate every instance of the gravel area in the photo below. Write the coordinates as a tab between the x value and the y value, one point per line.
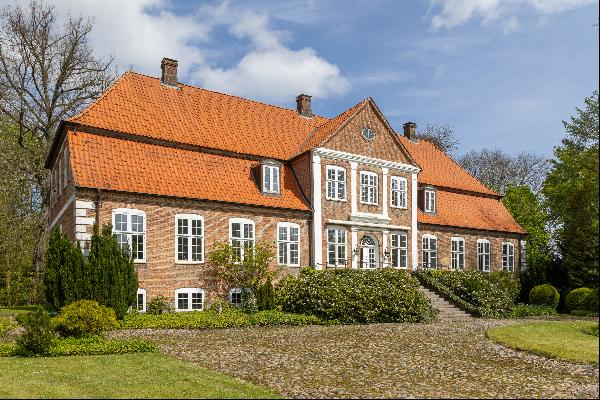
442	359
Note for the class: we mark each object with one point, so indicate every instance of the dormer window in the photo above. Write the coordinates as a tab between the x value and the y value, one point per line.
270	178
430	200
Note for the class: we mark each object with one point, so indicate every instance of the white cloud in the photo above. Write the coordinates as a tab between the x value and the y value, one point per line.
502	12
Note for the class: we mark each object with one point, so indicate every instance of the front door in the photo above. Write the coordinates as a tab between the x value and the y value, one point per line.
368	252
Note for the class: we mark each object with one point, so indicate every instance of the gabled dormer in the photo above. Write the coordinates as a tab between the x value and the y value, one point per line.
270	177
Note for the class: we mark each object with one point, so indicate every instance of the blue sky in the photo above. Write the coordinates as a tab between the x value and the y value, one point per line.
503	73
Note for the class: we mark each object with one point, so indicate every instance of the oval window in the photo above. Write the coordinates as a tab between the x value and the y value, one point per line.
368	133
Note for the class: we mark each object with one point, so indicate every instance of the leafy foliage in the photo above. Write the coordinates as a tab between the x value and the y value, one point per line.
529	310
383	295
93	345
38	335
579	299
84	318
159	305
544	295
265	296
7	324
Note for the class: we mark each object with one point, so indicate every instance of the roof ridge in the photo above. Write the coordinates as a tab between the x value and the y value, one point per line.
227	94
112	85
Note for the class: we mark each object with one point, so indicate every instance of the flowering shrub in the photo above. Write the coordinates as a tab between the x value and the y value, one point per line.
351	296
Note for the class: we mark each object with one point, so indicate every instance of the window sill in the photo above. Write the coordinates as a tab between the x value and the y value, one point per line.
180	262
340	200
399	208
369	204
289	265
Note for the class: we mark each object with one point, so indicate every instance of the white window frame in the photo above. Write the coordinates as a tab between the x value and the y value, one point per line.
189	236
288	243
336	245
399	250
242	239
335	183
235	291
129	212
481	255
273	183
426	250
137	306
508	259
430	200
369	191
189	292
398	193
457	257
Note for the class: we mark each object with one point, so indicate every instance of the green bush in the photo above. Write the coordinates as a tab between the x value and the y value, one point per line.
84	318
159	305
544	295
7	324
578	299
593	330
219	305
350	296
480	293
38	335
265	296
228	318
592	301
527	310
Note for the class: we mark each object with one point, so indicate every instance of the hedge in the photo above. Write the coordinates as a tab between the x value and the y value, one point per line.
544	295
84	318
351	296
84	346
528	310
583	299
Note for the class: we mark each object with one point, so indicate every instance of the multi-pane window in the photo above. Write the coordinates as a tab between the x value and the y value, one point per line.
508	256
399	250
189	299
483	255
368	252
336	247
336	183
235	296
288	244
369	187
458	253
270	175
141	300
189	238
398	192
429	200
129	227
429	252
241	236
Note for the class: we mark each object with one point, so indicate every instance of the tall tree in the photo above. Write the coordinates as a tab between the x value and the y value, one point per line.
48	73
498	169
571	192
441	135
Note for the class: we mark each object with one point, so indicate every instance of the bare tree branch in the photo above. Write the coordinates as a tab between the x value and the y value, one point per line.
441	135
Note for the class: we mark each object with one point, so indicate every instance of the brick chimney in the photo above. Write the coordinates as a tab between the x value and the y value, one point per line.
169	72
303	105
410	130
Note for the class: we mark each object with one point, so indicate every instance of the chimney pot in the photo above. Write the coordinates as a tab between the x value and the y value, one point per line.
169	72
410	130
303	105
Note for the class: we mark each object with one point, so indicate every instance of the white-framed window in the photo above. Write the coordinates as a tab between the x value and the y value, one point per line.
429	252
141	300
336	246
369	187
189	299
129	226
483	255
398	192
288	244
270	178
336	183
430	200
235	296
241	236
399	250
189	238
457	251
508	256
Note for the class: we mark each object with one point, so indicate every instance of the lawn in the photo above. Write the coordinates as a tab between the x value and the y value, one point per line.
118	376
567	340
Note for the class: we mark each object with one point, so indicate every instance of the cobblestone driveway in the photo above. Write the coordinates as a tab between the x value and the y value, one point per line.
443	359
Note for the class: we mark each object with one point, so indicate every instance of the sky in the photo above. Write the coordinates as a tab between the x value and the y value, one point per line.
502	73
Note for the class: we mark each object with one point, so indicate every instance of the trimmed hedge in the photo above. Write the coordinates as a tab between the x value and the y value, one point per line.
84	318
7	324
528	310
228	318
479	293
350	296
94	345
581	299
544	295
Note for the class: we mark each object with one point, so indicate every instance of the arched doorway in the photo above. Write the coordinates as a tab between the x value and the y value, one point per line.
369	252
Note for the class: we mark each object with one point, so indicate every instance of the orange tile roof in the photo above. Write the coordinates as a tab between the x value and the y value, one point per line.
140	105
439	169
117	164
468	211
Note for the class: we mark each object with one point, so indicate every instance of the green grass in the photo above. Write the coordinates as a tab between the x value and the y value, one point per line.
146	375
16	310
566	340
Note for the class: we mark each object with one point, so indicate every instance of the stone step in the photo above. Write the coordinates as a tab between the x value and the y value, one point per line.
446	310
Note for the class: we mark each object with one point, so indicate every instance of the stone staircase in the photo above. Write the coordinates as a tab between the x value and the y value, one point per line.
446	309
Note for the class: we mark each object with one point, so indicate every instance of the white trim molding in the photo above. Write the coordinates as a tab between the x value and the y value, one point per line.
353	176
317	231
62	211
384	200
341	155
367	225
413	207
